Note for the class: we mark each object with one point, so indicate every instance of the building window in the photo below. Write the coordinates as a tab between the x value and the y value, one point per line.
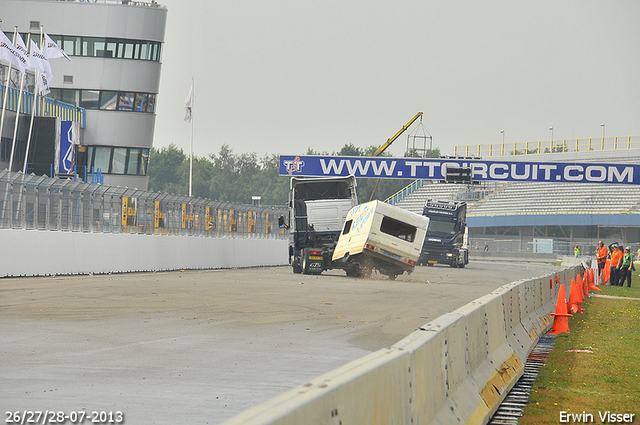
133	162
139	105
144	162
118	160
90	99
151	103
100	47
71	45
108	100
102	158
125	101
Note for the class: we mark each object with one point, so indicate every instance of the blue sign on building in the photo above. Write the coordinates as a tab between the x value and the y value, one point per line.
67	152
435	169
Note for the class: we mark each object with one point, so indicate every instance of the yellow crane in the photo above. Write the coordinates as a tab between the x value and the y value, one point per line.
388	143
395	136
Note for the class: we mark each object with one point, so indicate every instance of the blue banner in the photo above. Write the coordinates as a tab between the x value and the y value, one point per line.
67	153
435	169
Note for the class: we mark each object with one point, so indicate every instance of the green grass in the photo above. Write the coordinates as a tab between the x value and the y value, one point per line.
608	379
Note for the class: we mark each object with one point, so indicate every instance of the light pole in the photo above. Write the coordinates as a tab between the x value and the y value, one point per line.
551	128
502	131
602	125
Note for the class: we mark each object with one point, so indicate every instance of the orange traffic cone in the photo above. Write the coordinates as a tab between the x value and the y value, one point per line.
561	317
606	273
579	288
585	285
574	305
592	282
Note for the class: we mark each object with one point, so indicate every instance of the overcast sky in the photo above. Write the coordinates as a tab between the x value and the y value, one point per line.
279	76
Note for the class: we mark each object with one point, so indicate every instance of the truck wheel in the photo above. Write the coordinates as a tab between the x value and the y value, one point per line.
295	263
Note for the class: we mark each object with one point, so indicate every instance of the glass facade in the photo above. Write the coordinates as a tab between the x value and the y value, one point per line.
118	160
107	100
101	47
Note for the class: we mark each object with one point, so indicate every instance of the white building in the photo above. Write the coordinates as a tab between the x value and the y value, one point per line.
116	50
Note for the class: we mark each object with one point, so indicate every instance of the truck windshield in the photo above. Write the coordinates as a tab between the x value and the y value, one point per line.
313	191
441	227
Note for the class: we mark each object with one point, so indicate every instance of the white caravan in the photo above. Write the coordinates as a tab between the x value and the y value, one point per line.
380	236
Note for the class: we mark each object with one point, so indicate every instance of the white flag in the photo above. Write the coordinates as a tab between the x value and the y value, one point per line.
9	53
188	106
41	63
43	85
53	51
22	49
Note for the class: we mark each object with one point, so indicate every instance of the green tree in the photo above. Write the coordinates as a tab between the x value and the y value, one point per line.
350	150
166	170
275	188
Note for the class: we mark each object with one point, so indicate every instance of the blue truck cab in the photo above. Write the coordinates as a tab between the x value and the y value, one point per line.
446	241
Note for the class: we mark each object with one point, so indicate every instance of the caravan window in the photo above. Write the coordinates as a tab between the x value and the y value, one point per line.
398	229
347	227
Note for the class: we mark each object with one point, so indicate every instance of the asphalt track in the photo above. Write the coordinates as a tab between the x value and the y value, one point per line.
198	347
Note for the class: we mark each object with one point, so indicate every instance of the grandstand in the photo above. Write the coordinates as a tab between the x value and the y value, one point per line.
511	216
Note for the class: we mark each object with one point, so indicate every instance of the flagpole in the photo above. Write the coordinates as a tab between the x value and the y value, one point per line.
33	105
15	126
191	138
6	94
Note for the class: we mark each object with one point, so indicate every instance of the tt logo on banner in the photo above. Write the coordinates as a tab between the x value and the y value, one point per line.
294	166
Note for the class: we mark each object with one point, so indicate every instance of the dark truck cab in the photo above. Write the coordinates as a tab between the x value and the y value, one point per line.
317	210
447	235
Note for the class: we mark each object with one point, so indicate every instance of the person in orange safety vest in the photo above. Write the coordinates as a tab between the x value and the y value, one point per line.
616	262
601	256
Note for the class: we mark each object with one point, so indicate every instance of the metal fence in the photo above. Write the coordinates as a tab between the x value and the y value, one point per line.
549	146
41	203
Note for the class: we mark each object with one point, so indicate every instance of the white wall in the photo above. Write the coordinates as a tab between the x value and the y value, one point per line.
36	253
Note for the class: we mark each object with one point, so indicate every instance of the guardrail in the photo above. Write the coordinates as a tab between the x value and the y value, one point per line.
405	191
455	369
549	146
152	3
41	203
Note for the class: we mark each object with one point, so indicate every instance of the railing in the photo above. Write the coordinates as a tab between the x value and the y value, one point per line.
549	146
152	3
41	203
45	107
396	197
559	246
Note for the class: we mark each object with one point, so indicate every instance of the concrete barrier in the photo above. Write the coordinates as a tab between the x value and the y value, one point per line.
455	369
39	253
